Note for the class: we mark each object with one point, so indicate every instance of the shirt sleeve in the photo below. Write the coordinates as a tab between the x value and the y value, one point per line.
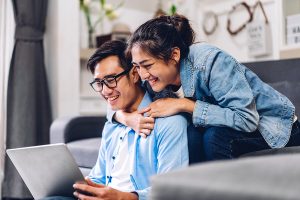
172	150
227	83
172	146
143	194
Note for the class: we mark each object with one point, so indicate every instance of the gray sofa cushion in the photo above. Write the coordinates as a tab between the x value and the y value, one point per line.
289	89
259	178
85	151
286	150
85	171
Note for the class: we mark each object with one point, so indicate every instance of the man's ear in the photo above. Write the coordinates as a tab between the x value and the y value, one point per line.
175	54
135	75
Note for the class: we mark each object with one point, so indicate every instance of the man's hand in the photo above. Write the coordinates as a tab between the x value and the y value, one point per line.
100	192
135	120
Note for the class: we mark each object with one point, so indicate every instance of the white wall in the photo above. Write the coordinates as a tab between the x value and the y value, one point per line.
131	15
62	56
237	45
7	28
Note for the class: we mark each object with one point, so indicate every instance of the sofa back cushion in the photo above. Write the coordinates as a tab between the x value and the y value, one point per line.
282	75
290	90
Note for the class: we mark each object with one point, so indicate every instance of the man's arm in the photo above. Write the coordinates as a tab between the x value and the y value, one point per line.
98	173
172	147
172	143
94	187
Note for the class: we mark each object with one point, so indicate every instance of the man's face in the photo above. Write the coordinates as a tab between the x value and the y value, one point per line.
122	96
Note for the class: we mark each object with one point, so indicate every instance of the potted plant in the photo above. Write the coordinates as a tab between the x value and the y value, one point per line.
105	10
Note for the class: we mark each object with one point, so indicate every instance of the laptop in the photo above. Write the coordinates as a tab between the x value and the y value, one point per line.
47	170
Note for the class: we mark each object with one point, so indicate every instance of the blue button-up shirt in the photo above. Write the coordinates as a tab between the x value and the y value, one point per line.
229	94
164	150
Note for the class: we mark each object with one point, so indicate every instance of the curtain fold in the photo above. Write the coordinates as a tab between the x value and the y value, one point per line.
28	102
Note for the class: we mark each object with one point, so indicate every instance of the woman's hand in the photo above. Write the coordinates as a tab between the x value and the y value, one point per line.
135	120
170	106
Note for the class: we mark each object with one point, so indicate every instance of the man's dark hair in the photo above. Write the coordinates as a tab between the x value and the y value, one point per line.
110	48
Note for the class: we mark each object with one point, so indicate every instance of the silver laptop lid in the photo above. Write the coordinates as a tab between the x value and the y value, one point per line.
47	170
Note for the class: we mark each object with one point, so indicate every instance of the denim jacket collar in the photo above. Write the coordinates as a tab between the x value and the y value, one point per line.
186	76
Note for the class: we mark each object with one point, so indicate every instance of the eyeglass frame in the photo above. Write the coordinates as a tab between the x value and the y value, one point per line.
103	81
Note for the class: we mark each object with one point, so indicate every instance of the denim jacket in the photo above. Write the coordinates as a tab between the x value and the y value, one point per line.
164	150
229	94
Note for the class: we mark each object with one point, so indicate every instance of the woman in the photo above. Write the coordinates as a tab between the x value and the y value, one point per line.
237	112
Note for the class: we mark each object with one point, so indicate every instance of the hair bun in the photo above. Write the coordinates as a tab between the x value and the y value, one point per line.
183	27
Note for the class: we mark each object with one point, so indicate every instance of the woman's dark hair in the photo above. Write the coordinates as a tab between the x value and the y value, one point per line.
110	48
158	36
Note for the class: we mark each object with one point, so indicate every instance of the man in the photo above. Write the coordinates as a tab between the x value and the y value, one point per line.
126	160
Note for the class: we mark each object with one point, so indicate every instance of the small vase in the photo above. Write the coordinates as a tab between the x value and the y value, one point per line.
91	39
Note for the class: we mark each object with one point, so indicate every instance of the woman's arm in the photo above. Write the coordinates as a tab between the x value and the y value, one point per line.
170	106
234	106
140	124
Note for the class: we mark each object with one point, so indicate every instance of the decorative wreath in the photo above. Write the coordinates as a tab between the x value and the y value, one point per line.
229	29
208	16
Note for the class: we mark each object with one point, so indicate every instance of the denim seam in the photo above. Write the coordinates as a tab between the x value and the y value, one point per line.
231	148
242	139
207	56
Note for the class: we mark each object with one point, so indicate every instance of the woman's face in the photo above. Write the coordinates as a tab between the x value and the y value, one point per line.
157	72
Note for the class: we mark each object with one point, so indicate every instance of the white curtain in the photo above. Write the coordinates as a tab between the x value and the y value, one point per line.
7	29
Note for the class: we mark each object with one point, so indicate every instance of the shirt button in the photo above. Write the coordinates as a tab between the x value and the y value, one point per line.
121	138
113	157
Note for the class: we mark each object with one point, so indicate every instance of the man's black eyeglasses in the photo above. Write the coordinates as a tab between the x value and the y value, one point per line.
109	81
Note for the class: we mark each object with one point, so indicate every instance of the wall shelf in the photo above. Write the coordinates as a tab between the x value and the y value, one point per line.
287	8
85	54
291	51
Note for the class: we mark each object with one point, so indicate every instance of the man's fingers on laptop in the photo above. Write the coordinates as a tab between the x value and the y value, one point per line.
91	183
81	196
84	190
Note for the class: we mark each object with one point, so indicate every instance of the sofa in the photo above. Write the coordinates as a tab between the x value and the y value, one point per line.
82	134
252	178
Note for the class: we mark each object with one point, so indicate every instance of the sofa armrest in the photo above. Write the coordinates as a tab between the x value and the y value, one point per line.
265	177
67	129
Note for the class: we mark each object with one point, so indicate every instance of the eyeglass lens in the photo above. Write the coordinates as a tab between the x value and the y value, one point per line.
109	82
